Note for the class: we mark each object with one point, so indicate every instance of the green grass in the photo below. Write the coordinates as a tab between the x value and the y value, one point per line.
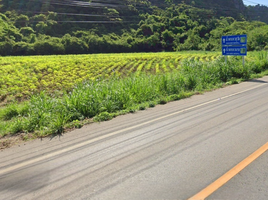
103	99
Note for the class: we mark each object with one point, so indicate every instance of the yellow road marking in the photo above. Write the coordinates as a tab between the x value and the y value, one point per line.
64	150
230	174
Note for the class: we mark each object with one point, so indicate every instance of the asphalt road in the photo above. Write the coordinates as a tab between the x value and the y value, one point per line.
251	183
171	151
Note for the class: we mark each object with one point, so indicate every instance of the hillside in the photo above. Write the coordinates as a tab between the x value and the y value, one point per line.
230	8
36	27
258	13
131	8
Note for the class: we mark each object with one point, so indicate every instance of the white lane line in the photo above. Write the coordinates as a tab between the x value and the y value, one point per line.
56	153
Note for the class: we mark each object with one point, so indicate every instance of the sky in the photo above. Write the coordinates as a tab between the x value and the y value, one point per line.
256	2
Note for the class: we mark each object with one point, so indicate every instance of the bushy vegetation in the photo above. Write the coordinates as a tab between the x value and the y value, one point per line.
104	99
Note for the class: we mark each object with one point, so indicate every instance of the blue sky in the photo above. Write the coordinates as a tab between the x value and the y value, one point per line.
255	2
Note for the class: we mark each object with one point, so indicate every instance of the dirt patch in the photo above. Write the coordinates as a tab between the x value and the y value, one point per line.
9	141
12	140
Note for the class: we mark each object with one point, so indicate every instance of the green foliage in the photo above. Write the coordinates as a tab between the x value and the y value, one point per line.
258	38
49	47
10	111
173	27
103	99
104	116
21	77
26	31
6	48
21	21
258	13
74	45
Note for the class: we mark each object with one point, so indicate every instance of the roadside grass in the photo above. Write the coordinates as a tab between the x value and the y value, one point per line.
104	99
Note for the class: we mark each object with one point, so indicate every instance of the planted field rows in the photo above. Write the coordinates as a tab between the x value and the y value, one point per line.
20	77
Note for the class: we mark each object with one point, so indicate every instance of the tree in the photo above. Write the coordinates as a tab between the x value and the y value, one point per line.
145	30
22	21
26	31
48	47
74	45
6	48
167	40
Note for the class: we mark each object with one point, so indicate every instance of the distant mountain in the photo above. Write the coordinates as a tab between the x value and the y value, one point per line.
228	8
258	13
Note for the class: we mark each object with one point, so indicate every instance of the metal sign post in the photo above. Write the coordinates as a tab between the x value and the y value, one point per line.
234	45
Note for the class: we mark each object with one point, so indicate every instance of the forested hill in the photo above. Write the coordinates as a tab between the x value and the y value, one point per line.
258	13
37	27
230	8
126	8
233	8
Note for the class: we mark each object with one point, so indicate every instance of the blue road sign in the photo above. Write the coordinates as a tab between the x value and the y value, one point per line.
239	40
234	51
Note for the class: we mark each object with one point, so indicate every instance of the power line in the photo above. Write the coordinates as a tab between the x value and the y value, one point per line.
69	14
98	15
255	3
84	4
89	22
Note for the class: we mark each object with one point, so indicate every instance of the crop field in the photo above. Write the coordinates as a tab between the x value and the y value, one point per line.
44	95
20	77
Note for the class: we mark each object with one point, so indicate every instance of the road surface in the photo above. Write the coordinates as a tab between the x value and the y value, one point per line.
172	151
